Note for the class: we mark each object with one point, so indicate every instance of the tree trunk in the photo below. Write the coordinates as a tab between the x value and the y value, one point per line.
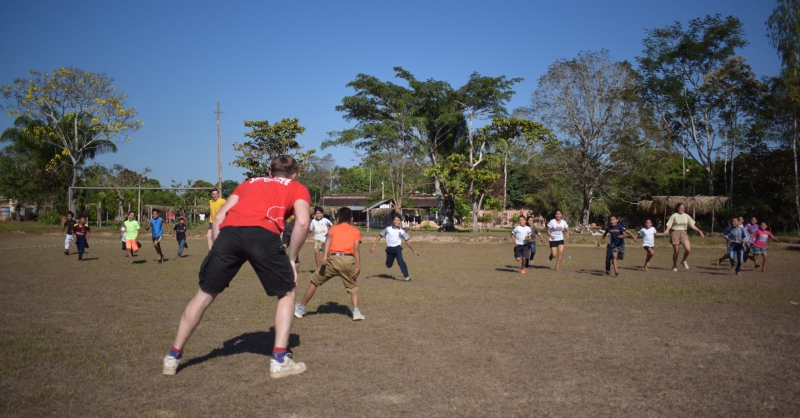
505	178
73	197
796	174
475	206
587	200
733	157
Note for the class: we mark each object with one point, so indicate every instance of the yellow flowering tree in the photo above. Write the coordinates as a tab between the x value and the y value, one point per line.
84	113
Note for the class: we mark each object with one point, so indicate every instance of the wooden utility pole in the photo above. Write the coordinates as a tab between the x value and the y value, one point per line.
219	153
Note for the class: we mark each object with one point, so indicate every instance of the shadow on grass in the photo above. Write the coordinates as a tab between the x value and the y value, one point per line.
331	308
382	276
251	342
600	273
91	259
139	261
793	248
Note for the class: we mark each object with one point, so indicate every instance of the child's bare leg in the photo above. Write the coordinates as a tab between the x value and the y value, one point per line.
130	256
553	251
765	258
309	294
650	254
614	262
755	260
522	263
354	299
560	257
316	259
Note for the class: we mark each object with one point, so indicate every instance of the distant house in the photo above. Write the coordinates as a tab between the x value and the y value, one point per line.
356	202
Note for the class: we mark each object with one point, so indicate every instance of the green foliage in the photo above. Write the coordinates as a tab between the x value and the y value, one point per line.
268	142
228	186
783	30
83	112
51	218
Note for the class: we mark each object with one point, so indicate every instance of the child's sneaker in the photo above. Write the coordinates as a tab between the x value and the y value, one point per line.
407	279
299	310
674	268
357	315
287	368
170	366
685	265
522	271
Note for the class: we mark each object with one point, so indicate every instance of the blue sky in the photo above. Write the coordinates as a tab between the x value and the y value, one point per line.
271	60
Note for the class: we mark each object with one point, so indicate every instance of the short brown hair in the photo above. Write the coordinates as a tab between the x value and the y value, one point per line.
678	206
345	214
283	166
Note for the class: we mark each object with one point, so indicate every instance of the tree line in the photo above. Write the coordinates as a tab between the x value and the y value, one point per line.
690	118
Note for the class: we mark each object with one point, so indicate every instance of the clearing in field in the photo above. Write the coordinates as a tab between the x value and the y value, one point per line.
469	336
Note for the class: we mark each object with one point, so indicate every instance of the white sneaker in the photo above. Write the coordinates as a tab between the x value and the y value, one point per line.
674	268
287	368
170	366
299	310
685	265
357	315
407	279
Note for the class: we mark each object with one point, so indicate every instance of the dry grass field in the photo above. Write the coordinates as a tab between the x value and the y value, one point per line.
469	336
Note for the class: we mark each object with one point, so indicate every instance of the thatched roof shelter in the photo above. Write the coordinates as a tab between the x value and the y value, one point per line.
665	205
694	204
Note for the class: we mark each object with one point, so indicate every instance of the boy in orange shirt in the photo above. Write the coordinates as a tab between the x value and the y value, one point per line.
340	258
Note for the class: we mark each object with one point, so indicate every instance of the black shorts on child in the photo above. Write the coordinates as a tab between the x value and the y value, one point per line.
522	251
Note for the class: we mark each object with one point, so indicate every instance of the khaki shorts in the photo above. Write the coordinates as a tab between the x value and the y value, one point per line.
337	266
319	245
679	237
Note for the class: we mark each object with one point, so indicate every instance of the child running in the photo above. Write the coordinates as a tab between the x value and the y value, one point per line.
751	228
616	243
341	258
247	229
157	223
520	237
736	238
80	233
648	234
532	242
556	229
319	227
180	235
727	255
132	235
394	246
68	225
759	246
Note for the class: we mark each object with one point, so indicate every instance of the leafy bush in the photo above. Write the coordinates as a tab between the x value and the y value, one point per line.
51	218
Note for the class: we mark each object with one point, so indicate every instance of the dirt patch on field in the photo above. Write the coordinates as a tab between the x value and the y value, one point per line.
469	336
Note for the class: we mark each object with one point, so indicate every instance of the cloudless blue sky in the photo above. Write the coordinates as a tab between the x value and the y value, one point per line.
271	60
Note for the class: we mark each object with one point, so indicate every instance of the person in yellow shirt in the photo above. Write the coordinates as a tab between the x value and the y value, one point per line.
214	204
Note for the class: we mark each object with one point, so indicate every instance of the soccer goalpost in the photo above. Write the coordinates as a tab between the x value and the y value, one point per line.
139	188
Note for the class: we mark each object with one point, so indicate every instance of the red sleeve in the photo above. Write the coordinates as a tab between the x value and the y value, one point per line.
240	187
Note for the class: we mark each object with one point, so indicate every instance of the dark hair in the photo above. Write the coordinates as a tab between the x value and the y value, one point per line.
734	217
556	211
648	219
129	212
82	217
345	214
215	190
283	166
613	216
678	206
396	215
522	216
319	209
71	213
156	211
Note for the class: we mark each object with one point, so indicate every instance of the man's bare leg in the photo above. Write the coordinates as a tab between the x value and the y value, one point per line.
192	316
284	318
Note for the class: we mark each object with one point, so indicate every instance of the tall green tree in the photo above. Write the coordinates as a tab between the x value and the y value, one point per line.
31	171
783	30
676	67
592	104
84	113
406	124
268	142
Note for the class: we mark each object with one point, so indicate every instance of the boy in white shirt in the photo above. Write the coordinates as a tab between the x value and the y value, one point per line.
319	227
520	236
394	245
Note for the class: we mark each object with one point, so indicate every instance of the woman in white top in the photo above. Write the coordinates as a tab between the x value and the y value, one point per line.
556	229
679	223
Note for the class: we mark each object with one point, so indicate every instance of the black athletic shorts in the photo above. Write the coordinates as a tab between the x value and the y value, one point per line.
522	251
554	244
234	246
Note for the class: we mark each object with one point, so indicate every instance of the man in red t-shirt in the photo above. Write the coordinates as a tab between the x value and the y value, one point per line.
247	228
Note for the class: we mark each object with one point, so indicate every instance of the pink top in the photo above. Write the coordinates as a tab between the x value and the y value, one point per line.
760	239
